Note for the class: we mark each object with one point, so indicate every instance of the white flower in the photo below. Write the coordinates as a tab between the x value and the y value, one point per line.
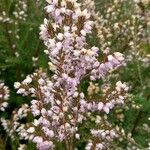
106	109
21	91
50	133
120	85
31	130
119	56
5	104
60	36
78	12
66	29
46	51
99	146
110	58
43	111
38	139
41	81
82	95
36	122
17	85
27	80
100	106
75	94
83	32
49	8
77	136
59	45
52	42
77	53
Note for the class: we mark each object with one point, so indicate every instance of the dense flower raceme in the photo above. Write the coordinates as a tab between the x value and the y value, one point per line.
39	87
13	125
58	104
4	96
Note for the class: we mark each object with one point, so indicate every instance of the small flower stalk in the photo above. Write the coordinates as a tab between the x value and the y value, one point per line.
4	96
59	107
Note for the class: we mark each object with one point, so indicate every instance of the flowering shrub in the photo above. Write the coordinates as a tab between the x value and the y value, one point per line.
63	112
59	105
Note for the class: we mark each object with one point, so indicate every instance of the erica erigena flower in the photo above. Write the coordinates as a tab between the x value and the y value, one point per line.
58	103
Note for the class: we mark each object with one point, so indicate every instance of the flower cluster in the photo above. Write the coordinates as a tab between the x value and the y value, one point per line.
58	103
20	12
13	125
124	26
119	31
102	136
4	96
110	99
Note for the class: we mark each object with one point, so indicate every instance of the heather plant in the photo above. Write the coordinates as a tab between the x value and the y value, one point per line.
59	105
76	99
127	31
117	30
